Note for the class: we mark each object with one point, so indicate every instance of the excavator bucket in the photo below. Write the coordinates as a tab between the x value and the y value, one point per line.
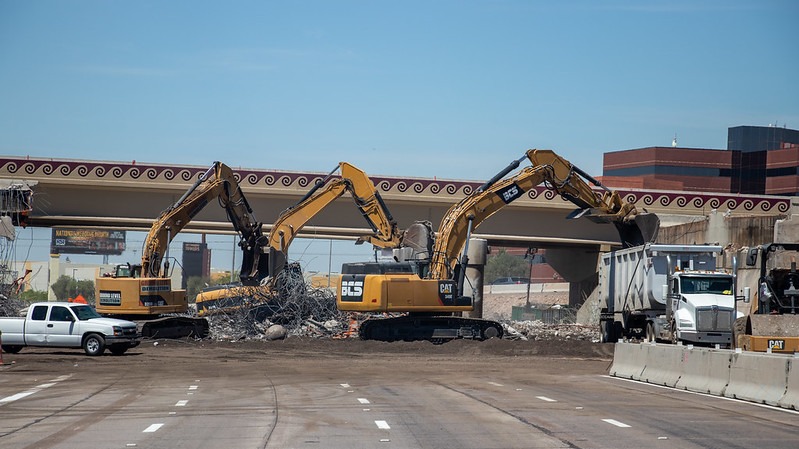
778	333
254	267
635	232
643	229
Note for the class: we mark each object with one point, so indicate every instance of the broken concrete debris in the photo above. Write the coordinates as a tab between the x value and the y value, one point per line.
311	313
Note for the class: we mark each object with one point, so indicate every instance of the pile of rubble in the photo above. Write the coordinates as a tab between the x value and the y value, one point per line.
295	311
537	330
11	306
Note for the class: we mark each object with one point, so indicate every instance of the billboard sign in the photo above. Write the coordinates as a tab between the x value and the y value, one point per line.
87	241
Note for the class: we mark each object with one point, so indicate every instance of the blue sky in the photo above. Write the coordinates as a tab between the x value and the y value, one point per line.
453	89
415	88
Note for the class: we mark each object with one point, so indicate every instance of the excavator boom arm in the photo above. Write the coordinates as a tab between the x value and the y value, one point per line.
217	182
366	198
558	175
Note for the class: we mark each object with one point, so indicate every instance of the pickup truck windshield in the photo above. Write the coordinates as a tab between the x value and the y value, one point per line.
85	313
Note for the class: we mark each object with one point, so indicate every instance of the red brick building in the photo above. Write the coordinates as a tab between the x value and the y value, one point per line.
759	160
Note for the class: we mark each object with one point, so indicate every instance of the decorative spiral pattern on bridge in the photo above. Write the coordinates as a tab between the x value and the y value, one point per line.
41	168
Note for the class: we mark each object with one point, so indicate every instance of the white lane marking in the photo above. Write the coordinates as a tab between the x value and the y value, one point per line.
17	396
193	387
546	399
615	423
153	428
34	390
363	400
496	384
345	385
181	403
740	401
382	425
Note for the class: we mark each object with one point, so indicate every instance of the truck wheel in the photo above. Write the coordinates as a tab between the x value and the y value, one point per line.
12	349
118	349
650	332
93	345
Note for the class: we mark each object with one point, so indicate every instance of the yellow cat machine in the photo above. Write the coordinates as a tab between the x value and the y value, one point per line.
429	290
288	225
143	292
773	321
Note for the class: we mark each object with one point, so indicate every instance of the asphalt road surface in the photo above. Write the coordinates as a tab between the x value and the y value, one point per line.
353	394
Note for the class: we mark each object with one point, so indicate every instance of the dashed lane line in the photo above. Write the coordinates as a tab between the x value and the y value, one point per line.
363	400
546	399
382	424
153	428
616	423
34	390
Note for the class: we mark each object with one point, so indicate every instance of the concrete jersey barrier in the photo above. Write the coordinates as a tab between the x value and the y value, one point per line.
763	378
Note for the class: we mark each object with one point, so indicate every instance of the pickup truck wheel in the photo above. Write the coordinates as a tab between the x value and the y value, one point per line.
93	345
12	349
118	349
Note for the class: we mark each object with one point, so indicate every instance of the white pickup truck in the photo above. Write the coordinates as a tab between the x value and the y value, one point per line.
67	325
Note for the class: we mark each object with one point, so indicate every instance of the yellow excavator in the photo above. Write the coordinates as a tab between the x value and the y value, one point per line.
143	292
428	290
772	324
385	234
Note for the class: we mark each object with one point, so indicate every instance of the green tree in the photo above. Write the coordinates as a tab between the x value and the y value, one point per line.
503	264
33	296
66	287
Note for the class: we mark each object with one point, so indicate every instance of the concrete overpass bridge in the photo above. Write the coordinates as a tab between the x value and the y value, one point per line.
129	195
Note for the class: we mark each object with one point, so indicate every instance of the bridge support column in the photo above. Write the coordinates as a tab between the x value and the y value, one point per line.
573	264
580	291
478	249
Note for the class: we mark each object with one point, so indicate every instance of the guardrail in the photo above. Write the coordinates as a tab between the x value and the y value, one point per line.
771	379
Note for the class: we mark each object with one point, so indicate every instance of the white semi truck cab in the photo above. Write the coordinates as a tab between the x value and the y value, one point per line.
667	293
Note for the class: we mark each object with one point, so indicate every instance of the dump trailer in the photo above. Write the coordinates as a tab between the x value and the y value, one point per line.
666	293
773	321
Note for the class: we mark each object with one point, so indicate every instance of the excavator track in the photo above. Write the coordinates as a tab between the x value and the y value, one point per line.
436	328
174	327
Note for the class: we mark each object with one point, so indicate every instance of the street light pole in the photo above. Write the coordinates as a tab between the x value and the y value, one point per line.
75	281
